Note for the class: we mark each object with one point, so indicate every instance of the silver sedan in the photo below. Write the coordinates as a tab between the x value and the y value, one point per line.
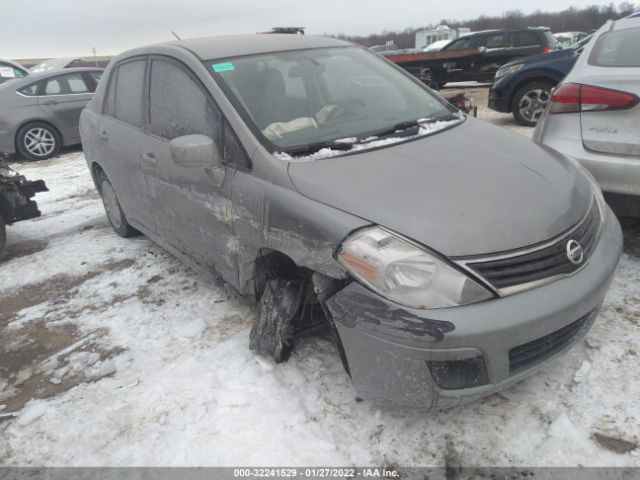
39	114
594	115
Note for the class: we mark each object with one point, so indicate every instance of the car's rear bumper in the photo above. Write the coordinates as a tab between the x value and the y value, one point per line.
394	353
614	173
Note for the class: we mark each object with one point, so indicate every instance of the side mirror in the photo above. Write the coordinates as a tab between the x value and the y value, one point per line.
195	151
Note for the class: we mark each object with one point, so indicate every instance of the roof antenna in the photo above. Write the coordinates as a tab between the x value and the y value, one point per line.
175	35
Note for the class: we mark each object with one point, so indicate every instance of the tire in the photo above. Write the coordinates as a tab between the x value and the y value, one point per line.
114	212
530	102
272	333
38	141
3	236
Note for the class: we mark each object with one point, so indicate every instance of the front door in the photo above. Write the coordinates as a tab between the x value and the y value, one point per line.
192	207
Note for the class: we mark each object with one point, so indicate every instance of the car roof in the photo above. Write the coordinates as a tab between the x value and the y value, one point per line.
208	48
13	64
627	22
508	30
56	63
35	77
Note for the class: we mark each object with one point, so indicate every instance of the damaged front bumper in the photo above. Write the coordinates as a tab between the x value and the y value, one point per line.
439	358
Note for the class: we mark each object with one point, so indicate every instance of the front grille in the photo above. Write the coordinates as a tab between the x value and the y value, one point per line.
529	354
545	262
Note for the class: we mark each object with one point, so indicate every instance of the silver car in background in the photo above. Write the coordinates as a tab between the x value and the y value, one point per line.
39	114
11	70
594	115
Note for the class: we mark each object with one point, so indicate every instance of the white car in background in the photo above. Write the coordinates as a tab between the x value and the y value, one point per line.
437	46
594	113
568	39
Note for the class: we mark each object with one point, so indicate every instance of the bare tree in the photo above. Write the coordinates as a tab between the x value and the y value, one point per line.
585	19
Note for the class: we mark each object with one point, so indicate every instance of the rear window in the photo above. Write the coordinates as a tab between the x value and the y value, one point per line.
618	48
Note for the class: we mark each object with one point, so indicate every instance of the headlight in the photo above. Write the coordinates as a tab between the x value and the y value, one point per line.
405	273
507	70
595	187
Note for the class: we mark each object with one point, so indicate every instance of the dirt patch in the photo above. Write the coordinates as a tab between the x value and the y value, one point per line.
56	289
41	361
617	445
23	249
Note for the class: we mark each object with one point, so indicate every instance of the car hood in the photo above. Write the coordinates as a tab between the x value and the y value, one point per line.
541	57
470	190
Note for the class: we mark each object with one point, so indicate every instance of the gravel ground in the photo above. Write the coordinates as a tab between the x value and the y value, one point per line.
114	353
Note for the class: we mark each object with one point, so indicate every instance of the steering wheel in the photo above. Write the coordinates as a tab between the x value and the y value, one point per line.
342	108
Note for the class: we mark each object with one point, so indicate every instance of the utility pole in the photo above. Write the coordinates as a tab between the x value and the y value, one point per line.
93	49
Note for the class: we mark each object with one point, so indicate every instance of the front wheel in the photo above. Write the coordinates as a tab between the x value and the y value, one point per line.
530	102
112	207
38	141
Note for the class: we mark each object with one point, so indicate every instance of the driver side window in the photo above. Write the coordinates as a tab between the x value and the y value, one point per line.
179	105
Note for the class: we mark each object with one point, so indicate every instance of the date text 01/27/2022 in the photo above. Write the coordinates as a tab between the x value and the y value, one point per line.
316	472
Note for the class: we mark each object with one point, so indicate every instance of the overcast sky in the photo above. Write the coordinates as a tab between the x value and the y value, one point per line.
37	28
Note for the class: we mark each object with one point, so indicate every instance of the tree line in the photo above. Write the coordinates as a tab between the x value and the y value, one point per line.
585	19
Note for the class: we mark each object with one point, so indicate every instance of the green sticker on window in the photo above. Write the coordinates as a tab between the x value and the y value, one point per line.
223	67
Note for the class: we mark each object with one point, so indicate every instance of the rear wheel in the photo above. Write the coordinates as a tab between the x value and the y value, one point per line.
530	102
38	141
112	207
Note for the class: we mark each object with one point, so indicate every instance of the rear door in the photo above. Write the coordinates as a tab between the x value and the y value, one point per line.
62	98
498	52
614	64
122	141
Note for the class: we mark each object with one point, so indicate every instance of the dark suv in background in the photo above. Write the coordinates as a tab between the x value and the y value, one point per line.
523	87
502	46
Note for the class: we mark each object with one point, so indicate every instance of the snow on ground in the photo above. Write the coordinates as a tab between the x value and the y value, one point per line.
114	353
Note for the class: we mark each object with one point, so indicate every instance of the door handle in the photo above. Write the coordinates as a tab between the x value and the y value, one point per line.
50	102
103	134
149	158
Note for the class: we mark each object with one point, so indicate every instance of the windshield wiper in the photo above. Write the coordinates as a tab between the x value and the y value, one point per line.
411	127
316	147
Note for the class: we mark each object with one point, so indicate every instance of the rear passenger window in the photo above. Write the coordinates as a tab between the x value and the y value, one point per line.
179	105
76	83
53	87
124	98
29	90
495	40
525	39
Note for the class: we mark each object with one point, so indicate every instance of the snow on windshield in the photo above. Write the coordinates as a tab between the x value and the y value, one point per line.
371	142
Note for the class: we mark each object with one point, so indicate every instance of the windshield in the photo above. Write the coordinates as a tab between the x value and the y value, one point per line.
301	101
